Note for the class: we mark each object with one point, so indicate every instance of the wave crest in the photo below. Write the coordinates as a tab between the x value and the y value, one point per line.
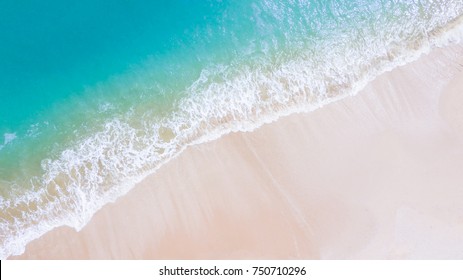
240	97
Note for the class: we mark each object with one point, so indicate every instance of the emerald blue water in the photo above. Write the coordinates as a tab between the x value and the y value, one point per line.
53	49
96	94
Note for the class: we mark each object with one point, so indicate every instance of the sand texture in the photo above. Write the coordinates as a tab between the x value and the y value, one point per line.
374	176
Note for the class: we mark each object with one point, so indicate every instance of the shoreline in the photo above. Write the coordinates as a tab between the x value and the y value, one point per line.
78	219
299	187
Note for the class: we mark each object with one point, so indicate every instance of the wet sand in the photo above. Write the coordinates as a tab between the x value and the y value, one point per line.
374	176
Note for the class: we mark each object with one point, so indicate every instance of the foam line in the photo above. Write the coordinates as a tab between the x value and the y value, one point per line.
100	168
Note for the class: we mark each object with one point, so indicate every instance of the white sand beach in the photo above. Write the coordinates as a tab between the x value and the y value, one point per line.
375	176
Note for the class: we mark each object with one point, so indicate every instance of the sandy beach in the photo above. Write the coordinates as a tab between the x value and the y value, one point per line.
374	176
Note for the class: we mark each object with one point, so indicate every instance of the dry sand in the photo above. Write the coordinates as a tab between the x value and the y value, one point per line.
378	175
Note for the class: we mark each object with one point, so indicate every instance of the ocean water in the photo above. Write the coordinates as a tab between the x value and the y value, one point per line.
95	95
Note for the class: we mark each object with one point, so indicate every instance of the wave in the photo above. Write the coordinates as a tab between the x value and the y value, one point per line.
100	168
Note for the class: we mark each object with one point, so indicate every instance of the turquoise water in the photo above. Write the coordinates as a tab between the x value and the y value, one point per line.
55	54
97	94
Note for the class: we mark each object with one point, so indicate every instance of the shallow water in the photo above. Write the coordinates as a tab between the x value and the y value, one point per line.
97	95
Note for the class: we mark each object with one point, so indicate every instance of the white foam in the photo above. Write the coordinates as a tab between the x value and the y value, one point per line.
8	138
106	165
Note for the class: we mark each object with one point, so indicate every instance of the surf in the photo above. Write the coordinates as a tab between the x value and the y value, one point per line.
113	135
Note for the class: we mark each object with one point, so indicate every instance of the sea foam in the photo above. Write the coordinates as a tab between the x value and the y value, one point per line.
100	168
7	138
